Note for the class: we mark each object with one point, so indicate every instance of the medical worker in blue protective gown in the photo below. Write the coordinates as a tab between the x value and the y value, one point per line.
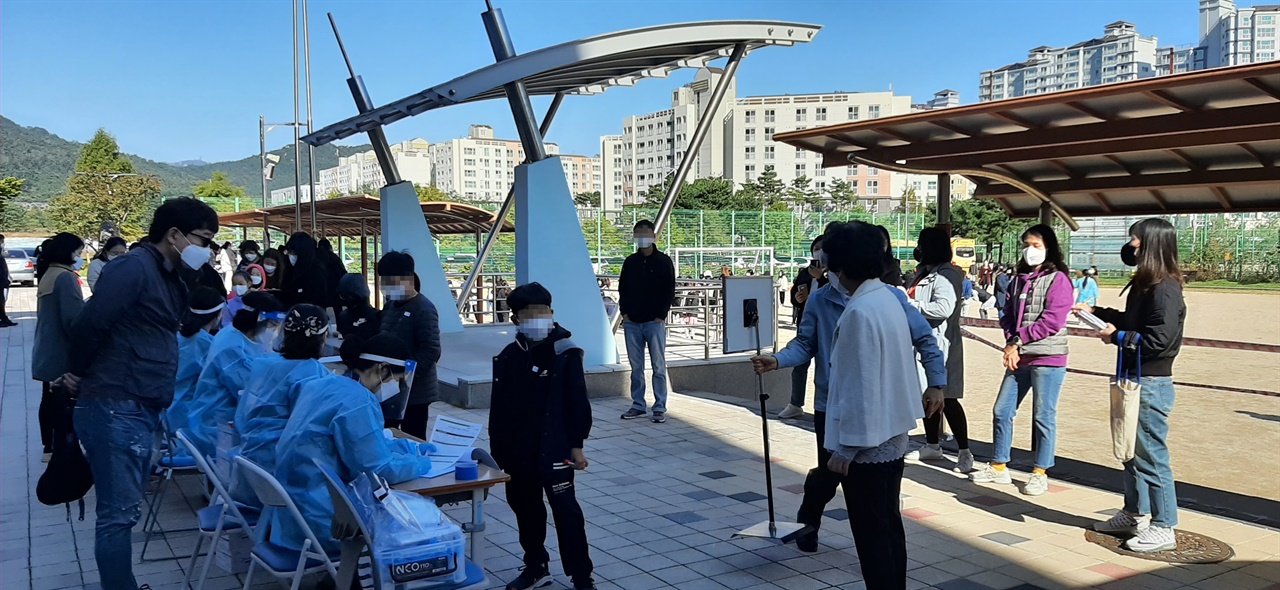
337	420
270	394
226	370
204	313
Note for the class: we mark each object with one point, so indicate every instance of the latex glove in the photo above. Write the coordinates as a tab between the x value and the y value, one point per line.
424	466
387	434
426	448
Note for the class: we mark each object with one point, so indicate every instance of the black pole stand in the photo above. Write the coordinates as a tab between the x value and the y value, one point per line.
779	532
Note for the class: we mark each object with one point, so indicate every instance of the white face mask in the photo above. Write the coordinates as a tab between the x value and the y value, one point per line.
536	328
270	268
1034	256
196	256
250	256
644	242
834	280
240	290
393	292
388	391
111	257
293	259
255	280
77	264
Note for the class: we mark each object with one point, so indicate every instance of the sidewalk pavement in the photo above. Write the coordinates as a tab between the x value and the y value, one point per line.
662	503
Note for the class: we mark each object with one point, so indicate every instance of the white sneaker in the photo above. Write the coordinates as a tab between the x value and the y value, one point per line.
791	411
926	453
1152	539
1124	523
1037	484
964	463
989	474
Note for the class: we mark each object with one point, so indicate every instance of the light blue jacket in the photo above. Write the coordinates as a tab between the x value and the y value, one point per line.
817	333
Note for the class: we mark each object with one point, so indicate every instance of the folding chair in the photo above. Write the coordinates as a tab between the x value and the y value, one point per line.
281	562
223	514
170	464
350	528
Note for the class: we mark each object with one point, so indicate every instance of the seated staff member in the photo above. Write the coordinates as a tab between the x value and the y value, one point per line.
205	307
271	391
226	369
813	342
873	402
336	419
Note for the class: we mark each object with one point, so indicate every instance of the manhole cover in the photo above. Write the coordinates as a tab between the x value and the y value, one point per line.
1192	548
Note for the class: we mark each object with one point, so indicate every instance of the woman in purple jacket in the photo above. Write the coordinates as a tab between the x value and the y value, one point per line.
1035	356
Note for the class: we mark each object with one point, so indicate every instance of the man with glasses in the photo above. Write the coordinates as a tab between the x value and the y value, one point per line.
123	369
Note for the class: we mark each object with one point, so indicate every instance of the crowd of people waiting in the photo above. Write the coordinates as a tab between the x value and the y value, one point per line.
159	347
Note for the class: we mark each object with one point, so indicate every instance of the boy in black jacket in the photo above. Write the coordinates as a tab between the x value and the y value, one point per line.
539	419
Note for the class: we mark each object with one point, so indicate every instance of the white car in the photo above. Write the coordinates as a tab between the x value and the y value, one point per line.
22	270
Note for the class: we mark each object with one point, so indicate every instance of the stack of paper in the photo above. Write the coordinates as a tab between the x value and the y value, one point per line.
454	440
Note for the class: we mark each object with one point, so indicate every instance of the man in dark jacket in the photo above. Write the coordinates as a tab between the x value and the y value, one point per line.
123	366
539	419
646	289
307	279
5	322
411	317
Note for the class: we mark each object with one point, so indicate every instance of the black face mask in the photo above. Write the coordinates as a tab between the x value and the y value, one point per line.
915	255
1129	255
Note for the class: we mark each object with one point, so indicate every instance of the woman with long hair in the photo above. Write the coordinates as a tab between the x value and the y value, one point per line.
274	263
113	248
59	300
1149	334
935	293
1035	357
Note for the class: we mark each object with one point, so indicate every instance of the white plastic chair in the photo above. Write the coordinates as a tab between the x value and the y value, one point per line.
281	562
223	514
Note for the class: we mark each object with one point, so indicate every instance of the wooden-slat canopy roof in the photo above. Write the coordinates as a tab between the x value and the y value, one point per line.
347	216
1201	142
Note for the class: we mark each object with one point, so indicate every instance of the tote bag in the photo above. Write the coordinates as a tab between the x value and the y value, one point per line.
1125	401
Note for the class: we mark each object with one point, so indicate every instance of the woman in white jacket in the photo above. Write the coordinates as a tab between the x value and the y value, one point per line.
874	400
934	293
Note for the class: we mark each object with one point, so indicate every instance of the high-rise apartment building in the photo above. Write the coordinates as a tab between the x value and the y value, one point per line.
480	167
1233	36
1120	55
360	172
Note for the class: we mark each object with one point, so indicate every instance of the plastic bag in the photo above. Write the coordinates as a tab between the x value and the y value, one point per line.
396	518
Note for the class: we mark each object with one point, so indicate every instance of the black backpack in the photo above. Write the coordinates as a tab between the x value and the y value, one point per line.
67	477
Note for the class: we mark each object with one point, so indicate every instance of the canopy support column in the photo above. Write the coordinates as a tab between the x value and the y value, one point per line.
944	202
1046	214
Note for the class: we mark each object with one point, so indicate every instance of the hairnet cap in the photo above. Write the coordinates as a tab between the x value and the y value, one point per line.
306	318
354	286
204	298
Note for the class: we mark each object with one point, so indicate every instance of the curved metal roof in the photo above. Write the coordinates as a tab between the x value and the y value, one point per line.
586	66
346	216
1202	142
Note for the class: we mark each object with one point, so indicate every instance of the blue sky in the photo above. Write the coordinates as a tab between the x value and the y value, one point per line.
184	79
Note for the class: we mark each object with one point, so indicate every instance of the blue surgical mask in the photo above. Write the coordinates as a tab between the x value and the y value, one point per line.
536	328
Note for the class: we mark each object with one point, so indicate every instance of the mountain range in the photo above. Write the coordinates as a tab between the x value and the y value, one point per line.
46	160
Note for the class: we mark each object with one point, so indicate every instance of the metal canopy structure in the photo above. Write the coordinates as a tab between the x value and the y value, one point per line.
361	215
583	67
1202	142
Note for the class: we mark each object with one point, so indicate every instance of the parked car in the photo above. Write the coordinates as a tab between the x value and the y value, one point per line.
22	269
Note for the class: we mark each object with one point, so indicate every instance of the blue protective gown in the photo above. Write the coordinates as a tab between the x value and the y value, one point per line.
191	356
337	421
217	392
264	409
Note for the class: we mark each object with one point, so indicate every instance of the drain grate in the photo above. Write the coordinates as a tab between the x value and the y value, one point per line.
1192	548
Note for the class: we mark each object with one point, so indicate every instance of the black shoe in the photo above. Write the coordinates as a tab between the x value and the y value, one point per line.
531	577
633	413
808	542
659	417
8	324
584	583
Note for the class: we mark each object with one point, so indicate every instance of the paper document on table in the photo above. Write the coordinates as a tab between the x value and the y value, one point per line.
454	440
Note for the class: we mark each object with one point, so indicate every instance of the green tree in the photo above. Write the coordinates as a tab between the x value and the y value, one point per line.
591	199
802	193
105	189
984	221
10	187
428	193
842	195
767	190
223	196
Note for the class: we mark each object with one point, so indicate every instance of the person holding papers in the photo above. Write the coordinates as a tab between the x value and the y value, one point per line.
538	421
337	421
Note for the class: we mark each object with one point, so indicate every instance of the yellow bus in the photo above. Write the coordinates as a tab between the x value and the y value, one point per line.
964	253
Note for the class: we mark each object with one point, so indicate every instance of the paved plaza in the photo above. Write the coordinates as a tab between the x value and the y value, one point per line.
663	501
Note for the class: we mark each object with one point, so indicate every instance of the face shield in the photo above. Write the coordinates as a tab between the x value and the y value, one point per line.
394	396
270	335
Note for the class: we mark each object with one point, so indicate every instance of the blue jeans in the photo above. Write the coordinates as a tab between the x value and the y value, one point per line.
1046	384
654	336
118	438
1148	477
799	382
